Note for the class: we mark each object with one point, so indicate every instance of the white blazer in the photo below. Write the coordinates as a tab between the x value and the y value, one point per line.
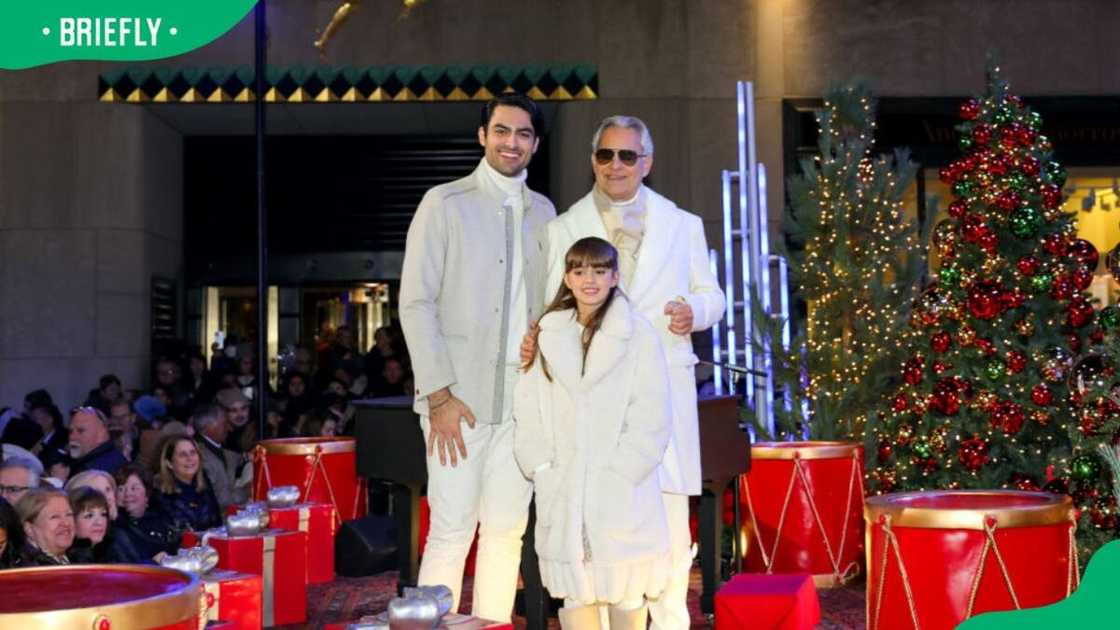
591	439
452	284
672	263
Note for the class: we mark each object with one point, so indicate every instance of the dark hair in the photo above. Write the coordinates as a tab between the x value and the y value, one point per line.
10	523
596	253
107	380
83	497
54	412
519	101
141	473
38	398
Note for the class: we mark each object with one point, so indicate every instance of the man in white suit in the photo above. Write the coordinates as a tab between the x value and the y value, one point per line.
663	259
472	280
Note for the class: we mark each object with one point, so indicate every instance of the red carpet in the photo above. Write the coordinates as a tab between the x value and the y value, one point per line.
348	599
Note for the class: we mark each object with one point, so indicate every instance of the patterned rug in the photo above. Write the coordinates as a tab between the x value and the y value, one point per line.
348	599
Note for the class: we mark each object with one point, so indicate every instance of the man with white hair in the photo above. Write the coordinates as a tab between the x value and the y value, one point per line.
221	464
90	445
663	261
17	476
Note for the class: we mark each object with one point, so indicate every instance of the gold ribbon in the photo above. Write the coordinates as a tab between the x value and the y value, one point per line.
268	577
798	473
304	518
891	543
316	465
990	543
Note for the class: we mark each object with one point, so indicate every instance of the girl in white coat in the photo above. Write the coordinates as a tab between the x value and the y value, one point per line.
593	419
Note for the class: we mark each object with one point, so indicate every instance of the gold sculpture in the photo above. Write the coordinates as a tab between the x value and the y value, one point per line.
343	13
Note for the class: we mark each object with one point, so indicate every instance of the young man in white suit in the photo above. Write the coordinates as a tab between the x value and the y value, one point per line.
472	280
663	259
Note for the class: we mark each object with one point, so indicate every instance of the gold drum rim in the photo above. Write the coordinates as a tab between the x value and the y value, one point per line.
155	611
307	446
905	510
810	449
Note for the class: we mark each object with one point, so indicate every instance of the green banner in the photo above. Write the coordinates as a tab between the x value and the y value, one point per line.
37	32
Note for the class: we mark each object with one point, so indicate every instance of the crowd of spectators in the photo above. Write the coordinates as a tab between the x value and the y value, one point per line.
122	476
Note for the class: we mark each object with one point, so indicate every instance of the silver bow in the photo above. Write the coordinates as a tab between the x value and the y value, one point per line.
283	496
196	560
421	608
244	523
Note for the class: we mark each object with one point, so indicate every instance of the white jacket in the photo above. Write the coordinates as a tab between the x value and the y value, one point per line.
592	445
672	263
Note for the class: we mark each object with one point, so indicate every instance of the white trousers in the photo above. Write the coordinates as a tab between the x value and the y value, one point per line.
670	611
487	491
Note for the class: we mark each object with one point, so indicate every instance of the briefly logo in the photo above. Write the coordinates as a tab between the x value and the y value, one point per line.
37	33
109	31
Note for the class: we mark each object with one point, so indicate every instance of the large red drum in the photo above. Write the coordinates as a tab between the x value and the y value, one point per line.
323	468
804	504
937	558
101	597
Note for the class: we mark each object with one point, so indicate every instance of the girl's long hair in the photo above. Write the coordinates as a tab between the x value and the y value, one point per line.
595	253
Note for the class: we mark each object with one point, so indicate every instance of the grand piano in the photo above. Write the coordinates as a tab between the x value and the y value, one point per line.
391	448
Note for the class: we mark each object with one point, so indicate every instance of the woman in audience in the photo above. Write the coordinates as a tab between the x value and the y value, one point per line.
101	481
184	498
52	449
92	542
140	535
11	536
48	522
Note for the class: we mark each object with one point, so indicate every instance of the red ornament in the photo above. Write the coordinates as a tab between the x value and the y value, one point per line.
986	347
1079	313
1074	342
885	449
940	367
1012	299
972	228
1021	481
1054	244
1051	196
1081	278
1007	200
964	387
1030	166
1090	422
945	399
947	174
900	403
912	371
984	302
970	109
973	453
1084	252
1016	361
1028	265
941	342
1041	395
1097	336
1062	288
1007	417
958	208
988	242
982	134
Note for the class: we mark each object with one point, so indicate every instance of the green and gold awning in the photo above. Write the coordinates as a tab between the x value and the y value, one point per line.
300	84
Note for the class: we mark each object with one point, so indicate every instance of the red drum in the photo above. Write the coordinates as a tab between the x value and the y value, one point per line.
101	597
937	558
803	503
324	469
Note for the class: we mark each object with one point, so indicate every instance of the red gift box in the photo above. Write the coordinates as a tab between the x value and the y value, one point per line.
780	601
234	598
280	558
319	522
451	621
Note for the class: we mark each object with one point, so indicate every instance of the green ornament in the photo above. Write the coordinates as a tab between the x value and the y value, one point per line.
922	448
1084	467
1057	173
1004	115
963	188
964	143
1040	282
995	370
1025	222
949	275
1109	317
1034	121
1017	181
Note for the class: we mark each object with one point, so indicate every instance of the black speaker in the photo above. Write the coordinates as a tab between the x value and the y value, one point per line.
366	546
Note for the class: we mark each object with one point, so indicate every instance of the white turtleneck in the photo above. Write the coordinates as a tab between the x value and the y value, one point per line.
513	191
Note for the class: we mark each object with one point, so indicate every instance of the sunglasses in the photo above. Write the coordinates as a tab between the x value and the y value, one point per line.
626	156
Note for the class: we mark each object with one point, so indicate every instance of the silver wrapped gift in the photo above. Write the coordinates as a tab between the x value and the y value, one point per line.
243	523
371	622
418	612
260	508
283	496
442	594
196	560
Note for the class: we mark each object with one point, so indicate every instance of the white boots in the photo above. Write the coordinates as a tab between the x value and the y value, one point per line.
588	618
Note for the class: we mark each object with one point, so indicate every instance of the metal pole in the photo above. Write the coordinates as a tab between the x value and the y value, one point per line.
260	36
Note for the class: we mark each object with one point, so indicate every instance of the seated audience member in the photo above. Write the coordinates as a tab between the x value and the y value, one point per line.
11	536
297	400
184	498
385	345
169	387
321	424
6	415
54	447
108	392
122	420
222	466
150	412
197	379
36	398
139	534
246	379
18	475
90	445
23	432
48	524
99	480
242	433
392	379
92	542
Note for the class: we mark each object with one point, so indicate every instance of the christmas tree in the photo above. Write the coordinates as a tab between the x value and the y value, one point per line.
856	261
1006	380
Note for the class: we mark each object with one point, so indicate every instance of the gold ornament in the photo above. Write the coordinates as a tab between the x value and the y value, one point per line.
1041	417
1025	327
992	265
984	400
904	433
966	336
968	277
